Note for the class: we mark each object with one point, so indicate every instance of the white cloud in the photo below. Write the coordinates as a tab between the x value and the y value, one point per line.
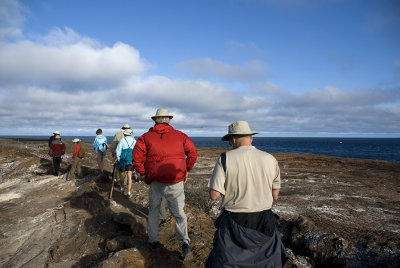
210	68
72	60
74	83
11	19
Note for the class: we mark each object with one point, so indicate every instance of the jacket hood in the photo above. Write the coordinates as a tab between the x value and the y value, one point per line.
162	128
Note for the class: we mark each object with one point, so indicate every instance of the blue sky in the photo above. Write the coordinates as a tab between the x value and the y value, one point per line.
288	67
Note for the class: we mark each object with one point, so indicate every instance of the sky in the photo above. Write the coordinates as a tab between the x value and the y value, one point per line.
291	68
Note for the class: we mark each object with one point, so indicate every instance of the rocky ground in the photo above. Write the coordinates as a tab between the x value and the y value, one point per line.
334	212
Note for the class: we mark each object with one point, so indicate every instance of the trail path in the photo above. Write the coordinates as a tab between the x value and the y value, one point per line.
333	211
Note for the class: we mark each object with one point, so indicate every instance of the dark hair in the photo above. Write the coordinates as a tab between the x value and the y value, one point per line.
99	131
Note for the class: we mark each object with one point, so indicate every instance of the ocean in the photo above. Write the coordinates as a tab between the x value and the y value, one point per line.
387	149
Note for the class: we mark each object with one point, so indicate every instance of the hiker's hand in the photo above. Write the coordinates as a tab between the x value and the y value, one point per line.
185	180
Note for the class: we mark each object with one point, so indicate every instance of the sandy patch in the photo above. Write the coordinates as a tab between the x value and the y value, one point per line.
9	196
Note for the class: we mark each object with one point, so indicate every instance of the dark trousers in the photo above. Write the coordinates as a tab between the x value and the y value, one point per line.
56	164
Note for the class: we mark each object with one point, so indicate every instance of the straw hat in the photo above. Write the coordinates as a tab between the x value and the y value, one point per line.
238	128
76	140
127	132
126	126
162	113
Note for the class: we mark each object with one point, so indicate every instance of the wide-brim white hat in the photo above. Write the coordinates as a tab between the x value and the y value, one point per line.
127	132
162	113
56	132
76	140
126	126
238	128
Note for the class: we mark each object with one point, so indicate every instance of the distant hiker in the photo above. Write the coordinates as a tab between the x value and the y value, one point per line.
117	137
77	155
248	179
165	156
124	157
57	150
100	147
51	139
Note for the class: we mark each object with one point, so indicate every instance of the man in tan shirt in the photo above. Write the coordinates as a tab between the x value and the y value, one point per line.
249	181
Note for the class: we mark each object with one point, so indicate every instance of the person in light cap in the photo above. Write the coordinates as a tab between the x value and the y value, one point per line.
165	156
248	180
56	151
124	157
51	139
117	137
76	161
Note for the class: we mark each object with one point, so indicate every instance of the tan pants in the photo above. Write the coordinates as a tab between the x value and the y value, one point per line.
75	168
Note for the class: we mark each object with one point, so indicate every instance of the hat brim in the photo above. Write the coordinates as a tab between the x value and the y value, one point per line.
226	137
169	116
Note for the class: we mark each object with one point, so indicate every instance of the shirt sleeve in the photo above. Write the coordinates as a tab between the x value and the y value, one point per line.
139	155
95	144
119	148
217	181
276	183
191	153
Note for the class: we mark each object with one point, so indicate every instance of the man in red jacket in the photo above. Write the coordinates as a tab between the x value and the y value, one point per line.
165	156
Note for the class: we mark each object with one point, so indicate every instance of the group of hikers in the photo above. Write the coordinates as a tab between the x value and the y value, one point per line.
247	180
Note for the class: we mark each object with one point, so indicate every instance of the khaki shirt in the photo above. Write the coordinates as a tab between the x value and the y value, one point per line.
250	177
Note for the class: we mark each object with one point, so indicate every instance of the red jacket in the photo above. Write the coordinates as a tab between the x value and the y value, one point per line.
77	147
164	154
57	148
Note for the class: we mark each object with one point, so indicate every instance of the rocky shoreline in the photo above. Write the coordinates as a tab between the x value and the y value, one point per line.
334	212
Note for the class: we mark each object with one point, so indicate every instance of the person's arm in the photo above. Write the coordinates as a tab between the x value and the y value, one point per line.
119	149
95	144
190	152
275	194
217	181
139	156
214	195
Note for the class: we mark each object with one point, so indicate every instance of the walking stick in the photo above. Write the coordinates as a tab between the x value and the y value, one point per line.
113	178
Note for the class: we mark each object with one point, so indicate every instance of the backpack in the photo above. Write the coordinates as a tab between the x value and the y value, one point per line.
103	147
81	153
125	157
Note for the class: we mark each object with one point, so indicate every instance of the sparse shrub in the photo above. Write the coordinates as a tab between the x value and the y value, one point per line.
9	144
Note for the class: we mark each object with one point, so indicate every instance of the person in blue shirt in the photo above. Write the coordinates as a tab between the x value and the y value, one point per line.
100	147
124	157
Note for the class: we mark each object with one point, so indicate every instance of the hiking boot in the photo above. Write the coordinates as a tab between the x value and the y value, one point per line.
155	246
129	195
121	189
163	222
186	252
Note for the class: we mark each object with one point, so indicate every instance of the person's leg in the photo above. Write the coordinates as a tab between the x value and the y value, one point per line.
98	162
163	213
155	196
57	165
121	177
79	166
71	173
135	175
175	196
129	181
54	165
102	164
